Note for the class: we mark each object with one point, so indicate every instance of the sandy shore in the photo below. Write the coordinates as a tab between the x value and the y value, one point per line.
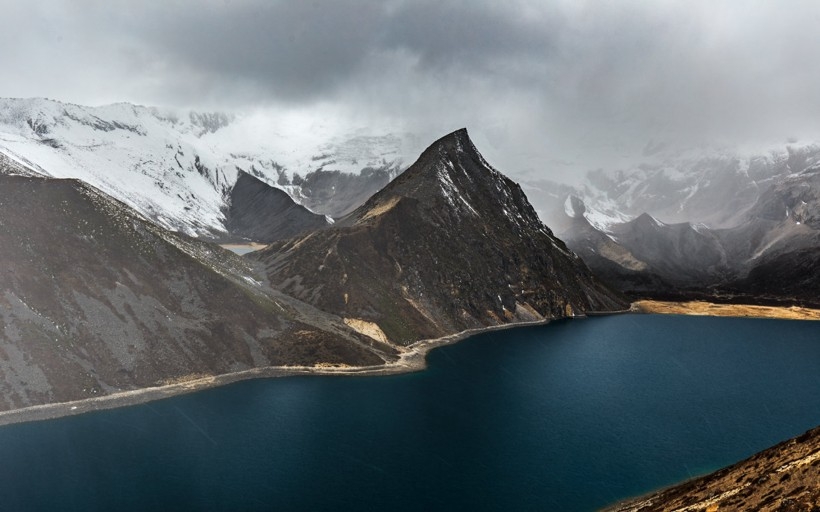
736	310
412	358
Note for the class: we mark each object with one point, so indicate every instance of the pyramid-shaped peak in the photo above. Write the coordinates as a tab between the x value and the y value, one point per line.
453	151
453	180
458	140
450	165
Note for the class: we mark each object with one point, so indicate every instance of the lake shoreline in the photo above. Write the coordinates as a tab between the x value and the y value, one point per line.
547	375
412	359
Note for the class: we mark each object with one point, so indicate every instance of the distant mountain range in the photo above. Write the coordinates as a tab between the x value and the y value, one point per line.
716	224
716	188
771	252
179	169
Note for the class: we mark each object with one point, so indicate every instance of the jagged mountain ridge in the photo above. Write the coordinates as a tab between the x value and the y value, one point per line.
773	254
178	168
450	244
715	188
95	299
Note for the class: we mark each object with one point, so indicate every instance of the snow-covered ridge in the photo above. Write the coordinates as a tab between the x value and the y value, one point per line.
177	167
712	188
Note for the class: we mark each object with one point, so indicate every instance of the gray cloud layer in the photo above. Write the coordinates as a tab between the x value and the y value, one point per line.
539	82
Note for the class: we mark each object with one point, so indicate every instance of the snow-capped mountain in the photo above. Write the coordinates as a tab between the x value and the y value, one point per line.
715	188
178	168
774	253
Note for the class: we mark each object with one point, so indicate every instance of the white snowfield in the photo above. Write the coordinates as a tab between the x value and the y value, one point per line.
713	187
177	167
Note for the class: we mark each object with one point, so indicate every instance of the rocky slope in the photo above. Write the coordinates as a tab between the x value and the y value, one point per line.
783	478
450	244
95	299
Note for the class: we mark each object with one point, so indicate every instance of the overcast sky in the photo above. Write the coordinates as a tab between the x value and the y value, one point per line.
545	87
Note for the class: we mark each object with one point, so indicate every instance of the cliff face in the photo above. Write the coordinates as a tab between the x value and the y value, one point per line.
450	244
95	299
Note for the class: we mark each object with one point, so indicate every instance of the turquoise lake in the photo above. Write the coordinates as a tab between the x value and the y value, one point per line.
570	416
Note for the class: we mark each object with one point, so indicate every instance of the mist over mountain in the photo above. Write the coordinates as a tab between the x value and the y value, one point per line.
702	186
770	253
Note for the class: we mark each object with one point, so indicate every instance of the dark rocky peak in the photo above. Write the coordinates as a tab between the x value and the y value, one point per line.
449	245
456	184
262	213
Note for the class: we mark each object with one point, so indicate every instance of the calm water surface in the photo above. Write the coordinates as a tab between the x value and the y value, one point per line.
570	416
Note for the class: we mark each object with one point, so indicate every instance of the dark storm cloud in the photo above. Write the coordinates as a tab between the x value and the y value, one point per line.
574	81
299	51
468	35
286	50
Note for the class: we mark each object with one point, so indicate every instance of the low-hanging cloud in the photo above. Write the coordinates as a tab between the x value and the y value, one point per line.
546	86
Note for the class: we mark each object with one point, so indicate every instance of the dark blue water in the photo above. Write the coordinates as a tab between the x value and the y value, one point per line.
570	416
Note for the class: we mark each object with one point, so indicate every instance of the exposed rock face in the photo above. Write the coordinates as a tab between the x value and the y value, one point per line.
96	299
261	213
782	478
450	244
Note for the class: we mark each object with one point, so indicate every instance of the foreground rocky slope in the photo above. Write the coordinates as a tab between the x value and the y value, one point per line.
95	299
451	244
782	478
